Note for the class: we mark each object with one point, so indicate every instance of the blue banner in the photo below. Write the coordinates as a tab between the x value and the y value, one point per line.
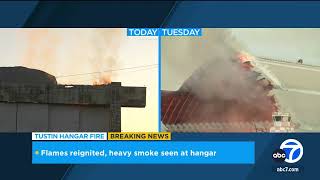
142	152
164	32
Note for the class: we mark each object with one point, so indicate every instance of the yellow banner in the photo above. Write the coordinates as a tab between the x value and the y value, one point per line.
139	136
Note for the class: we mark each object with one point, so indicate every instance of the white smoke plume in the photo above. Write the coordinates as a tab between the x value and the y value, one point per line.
221	75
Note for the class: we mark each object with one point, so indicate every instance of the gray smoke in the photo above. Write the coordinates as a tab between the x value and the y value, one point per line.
181	56
221	76
215	44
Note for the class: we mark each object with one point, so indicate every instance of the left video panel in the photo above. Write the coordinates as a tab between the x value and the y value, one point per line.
78	80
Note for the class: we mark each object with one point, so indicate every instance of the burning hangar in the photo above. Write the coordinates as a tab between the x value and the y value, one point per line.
31	100
288	102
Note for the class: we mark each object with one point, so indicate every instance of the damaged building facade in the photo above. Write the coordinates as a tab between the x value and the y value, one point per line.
31	100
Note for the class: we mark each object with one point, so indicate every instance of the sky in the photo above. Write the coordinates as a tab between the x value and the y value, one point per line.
282	43
62	52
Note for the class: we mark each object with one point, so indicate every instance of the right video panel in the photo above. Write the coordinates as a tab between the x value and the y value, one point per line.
241	80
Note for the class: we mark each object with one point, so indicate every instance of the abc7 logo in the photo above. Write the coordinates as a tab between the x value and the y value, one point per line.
291	151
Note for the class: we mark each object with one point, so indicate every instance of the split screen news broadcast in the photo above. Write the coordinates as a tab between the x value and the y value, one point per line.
159	89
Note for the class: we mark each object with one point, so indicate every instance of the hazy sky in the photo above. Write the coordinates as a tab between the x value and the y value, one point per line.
288	43
76	51
9	47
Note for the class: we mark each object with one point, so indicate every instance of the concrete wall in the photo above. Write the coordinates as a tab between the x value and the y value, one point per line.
73	94
27	117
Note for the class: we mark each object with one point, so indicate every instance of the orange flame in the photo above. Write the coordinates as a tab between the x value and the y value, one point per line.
104	79
245	60
245	57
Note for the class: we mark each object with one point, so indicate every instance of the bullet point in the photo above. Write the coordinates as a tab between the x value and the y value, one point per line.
36	152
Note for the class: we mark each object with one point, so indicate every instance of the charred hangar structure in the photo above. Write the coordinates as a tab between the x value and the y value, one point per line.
31	100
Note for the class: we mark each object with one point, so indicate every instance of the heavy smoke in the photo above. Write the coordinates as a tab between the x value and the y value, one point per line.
223	83
64	52
221	74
